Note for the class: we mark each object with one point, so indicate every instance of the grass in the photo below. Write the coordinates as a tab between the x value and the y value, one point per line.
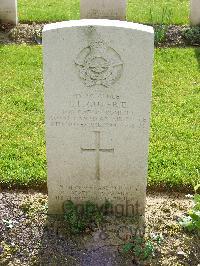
143	11
159	11
48	10
175	130
22	157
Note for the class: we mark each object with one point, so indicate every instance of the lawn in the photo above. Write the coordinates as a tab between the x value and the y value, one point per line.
22	157
144	11
175	130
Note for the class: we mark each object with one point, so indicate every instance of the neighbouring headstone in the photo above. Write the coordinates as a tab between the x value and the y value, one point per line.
8	11
195	12
103	9
98	78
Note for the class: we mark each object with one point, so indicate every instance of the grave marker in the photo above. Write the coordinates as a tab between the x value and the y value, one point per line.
103	9
195	12
8	11
98	78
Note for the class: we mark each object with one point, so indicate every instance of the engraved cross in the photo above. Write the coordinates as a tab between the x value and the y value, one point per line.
97	149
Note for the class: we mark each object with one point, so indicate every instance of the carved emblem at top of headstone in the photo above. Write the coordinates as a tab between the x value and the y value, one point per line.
99	64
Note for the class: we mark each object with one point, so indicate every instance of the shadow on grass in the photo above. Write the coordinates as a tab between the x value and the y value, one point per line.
197	53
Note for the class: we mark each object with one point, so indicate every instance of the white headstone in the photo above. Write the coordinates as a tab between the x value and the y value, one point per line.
195	12
98	78
103	9
8	11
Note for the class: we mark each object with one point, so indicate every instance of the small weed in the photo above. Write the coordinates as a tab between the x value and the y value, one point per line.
191	222
192	35
160	34
143	249
7	251
30	207
8	223
26	206
81	217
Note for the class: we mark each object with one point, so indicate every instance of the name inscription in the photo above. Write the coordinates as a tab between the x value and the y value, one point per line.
91	110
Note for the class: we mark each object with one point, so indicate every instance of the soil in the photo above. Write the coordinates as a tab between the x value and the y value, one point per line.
21	34
174	37
30	237
32	34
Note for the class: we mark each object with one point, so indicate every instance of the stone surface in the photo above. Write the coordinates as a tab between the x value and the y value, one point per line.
195	12
103	9
8	11
98	78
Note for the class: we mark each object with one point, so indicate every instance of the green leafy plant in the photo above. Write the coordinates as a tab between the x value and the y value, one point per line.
191	222
192	35
160	34
142	248
7	251
8	223
81	217
30	207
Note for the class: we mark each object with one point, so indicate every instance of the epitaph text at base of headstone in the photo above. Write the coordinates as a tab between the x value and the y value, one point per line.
8	11
103	9
98	78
